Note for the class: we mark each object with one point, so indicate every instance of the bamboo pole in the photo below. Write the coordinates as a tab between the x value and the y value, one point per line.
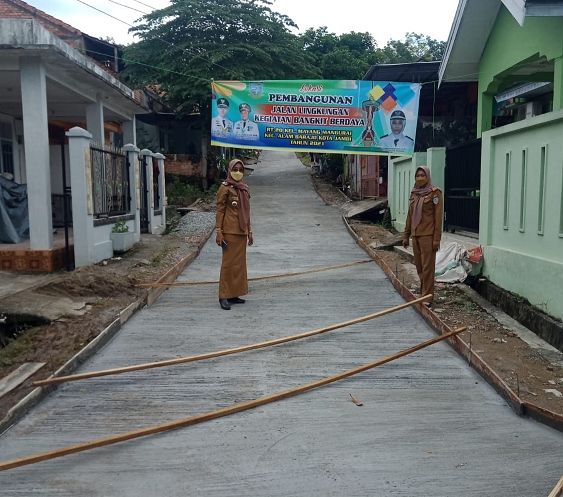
220	353
557	490
218	413
257	278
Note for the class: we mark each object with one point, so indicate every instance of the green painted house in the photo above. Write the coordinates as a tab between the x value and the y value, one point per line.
514	50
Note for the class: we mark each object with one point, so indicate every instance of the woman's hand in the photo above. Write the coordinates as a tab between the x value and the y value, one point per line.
250	240
220	238
405	242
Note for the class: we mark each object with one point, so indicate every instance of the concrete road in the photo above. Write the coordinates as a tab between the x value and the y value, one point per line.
429	425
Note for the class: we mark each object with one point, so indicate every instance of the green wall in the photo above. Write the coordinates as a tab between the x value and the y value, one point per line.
521	217
510	45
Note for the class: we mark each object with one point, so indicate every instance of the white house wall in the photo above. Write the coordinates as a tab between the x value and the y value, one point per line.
56	168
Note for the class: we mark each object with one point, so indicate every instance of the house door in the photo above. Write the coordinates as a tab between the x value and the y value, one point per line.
462	187
144	210
369	168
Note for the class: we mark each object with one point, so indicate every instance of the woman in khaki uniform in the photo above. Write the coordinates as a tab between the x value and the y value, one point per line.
233	234
424	224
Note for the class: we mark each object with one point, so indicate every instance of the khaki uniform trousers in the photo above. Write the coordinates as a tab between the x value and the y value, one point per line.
233	281
425	262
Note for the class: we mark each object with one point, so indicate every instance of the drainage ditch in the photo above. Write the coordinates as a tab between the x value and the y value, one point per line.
14	325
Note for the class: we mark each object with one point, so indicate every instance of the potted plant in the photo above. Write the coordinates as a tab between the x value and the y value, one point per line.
122	239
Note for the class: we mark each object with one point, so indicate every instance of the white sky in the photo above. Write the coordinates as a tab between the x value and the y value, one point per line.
384	19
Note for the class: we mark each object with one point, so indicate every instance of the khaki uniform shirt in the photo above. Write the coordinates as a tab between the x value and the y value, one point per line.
432	216
228	204
246	130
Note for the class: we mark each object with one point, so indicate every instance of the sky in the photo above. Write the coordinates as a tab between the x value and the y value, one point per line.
384	19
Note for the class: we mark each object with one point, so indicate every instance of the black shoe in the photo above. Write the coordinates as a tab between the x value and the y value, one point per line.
237	300
224	303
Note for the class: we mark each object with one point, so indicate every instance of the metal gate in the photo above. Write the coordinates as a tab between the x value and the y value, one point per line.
144	211
462	187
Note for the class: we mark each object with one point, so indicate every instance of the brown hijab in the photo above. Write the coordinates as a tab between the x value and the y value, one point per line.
419	193
244	196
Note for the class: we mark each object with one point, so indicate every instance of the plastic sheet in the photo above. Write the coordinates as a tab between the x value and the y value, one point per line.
14	215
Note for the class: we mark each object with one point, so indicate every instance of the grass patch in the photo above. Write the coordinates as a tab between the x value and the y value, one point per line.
17	348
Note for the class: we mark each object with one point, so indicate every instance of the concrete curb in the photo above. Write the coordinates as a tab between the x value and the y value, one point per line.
342	194
18	411
521	407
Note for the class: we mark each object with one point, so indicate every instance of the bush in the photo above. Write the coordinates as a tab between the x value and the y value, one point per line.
181	192
120	227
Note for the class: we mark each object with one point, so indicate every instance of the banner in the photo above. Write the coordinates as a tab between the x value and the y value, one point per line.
356	117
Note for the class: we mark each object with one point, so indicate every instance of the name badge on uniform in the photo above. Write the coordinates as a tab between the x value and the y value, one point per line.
435	200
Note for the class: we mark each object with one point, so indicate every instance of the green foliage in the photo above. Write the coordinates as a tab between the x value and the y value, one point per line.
414	48
191	42
350	55
347	56
196	41
180	192
120	227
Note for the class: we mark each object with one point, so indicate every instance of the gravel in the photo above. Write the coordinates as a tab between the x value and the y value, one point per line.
196	223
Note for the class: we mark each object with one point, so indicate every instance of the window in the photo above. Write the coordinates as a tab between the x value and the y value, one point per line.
6	148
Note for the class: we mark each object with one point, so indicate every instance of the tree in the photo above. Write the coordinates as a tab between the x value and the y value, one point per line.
347	56
192	42
415	48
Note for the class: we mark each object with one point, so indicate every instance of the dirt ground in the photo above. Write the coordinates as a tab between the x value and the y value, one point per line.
520	366
106	289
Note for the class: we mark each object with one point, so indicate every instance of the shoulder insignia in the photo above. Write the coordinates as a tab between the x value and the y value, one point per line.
409	138
435	200
225	183
384	136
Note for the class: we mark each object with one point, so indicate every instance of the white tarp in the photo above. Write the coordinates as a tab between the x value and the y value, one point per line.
452	263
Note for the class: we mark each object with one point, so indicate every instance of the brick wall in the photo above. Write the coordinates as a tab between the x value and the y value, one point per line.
17	9
182	165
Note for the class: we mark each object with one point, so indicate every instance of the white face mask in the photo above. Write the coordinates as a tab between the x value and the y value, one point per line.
237	175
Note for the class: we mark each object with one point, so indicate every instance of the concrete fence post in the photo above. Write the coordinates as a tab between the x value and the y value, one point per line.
82	203
148	156
436	157
134	186
161	186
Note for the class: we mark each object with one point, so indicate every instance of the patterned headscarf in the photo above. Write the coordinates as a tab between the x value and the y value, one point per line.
244	196
420	192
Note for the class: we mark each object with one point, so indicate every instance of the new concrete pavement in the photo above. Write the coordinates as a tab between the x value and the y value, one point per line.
429	425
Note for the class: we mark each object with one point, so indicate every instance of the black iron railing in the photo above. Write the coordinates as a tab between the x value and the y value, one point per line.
110	181
155	181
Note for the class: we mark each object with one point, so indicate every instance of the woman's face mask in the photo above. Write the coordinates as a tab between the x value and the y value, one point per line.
237	175
420	179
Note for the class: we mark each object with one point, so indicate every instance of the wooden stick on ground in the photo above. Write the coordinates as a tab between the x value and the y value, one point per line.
218	413
220	353
558	490
257	278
